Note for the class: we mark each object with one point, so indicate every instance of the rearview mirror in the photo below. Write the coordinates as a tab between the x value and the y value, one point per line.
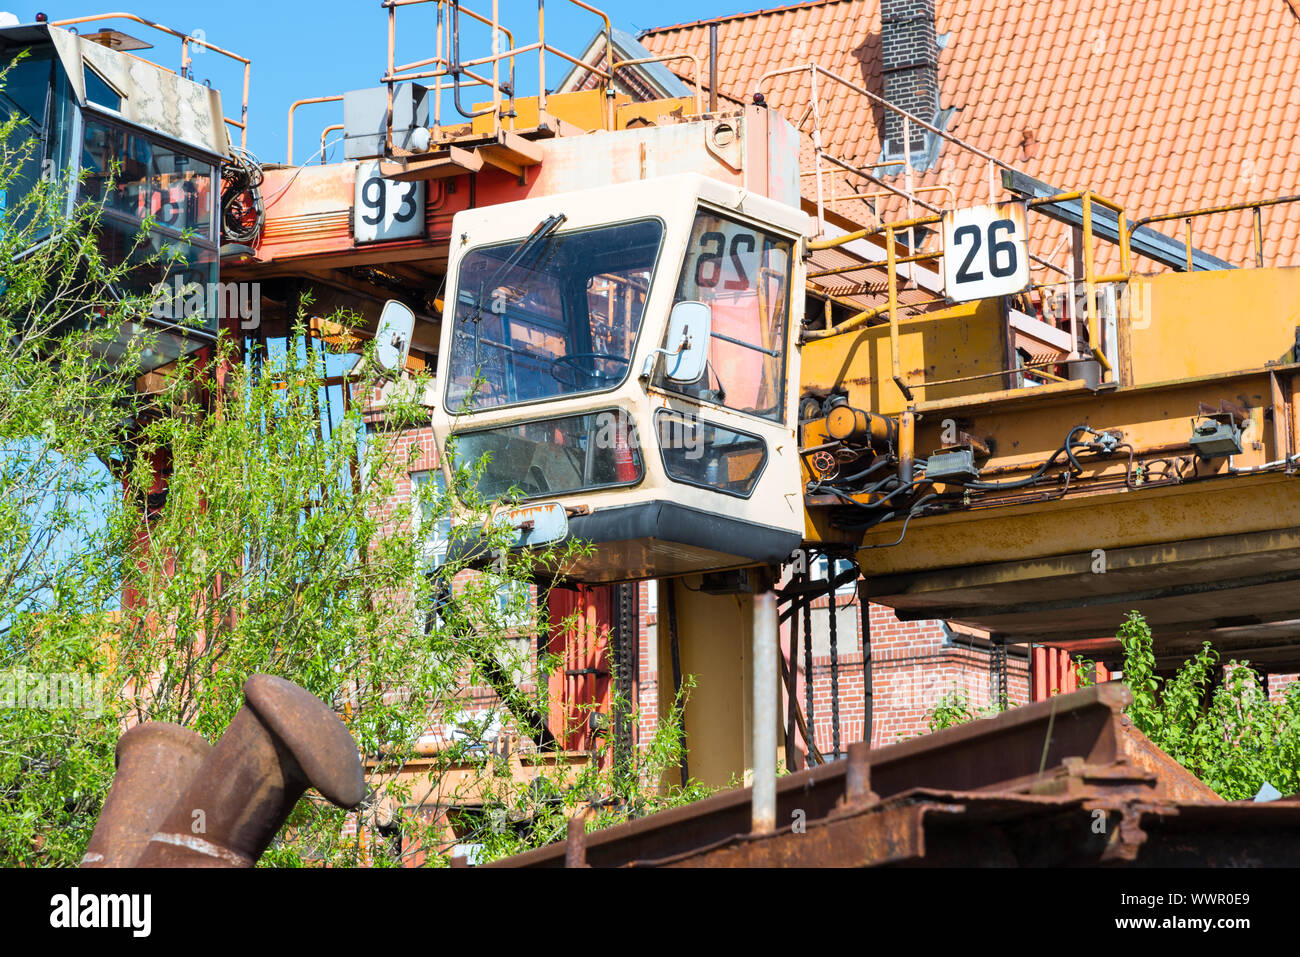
393	336
690	329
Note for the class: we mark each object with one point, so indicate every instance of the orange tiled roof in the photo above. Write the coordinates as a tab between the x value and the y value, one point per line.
1159	106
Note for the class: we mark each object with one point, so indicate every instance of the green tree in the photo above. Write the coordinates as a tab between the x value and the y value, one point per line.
65	414
279	547
1233	738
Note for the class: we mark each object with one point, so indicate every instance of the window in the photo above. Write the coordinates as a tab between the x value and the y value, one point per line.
821	572
428	489
555	456
173	188
553	315
99	92
515	604
132	177
710	456
35	96
743	274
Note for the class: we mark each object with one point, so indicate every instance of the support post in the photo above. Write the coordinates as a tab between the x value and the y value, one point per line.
864	611
713	68
766	702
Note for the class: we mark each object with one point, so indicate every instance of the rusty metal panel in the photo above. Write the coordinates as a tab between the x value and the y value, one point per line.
878	809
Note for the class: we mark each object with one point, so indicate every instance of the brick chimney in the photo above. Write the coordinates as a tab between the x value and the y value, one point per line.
910	53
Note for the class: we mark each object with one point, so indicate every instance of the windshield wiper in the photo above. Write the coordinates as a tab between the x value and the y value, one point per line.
543	229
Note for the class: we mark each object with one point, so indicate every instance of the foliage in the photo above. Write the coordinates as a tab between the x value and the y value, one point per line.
609	792
1233	738
1229	734
64	412
955	707
278	547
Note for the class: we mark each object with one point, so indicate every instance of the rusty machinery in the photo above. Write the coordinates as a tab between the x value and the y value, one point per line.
690	351
1062	783
702	361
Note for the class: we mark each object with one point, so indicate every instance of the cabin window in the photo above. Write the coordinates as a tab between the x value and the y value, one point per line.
710	456
553	315
743	274
554	456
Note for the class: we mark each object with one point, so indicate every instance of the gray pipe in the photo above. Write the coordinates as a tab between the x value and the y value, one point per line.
766	698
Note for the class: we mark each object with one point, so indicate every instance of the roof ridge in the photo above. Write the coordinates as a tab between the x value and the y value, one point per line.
739	16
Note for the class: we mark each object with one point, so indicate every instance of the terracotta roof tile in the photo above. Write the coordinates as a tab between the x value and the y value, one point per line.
1153	104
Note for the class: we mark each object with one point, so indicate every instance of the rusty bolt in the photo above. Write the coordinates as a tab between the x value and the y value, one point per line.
155	763
281	742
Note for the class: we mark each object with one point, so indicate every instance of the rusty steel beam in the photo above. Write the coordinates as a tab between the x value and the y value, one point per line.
1066	782
1038	746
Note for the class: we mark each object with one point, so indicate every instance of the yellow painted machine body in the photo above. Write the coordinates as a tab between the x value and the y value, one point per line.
1205	547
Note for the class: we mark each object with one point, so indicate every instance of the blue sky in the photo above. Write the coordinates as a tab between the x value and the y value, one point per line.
323	47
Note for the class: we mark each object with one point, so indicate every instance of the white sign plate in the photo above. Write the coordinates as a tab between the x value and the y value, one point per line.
985	252
385	209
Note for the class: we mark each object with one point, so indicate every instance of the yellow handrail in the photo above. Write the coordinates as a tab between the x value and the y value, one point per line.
294	106
1257	232
892	261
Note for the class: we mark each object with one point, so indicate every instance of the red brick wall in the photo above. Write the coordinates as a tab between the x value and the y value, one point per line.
914	664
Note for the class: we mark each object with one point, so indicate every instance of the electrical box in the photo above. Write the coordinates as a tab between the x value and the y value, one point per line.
365	114
1216	436
952	465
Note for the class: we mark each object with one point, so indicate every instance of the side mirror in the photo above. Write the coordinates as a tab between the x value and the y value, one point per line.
690	330
393	336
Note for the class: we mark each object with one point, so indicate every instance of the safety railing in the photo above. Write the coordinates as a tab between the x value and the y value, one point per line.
817	113
447	64
309	101
666	58
186	39
890	232
1257	229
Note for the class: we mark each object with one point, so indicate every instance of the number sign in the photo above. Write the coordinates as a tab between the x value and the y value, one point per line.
385	209
984	251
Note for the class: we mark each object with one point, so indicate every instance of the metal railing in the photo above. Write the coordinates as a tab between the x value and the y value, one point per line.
186	39
890	231
293	107
448	64
666	58
1257	229
907	191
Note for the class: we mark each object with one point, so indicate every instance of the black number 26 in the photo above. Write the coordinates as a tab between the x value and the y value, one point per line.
708	267
1002	252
